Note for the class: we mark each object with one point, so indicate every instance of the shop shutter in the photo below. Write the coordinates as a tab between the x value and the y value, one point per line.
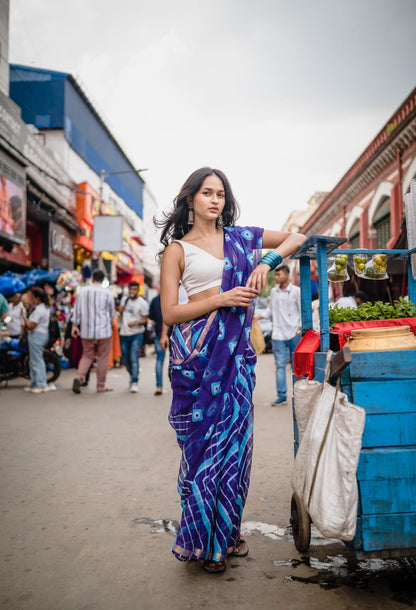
383	229
354	241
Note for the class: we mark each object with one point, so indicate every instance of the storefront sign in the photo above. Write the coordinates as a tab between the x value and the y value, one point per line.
42	163
11	125
12	211
21	255
60	247
108	233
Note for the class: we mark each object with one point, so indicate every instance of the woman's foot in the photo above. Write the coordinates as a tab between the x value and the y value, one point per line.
39	389
158	392
213	567
241	548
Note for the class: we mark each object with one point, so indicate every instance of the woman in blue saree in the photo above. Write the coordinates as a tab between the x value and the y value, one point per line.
212	358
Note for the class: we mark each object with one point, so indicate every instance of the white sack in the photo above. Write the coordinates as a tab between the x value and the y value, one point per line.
325	468
305	394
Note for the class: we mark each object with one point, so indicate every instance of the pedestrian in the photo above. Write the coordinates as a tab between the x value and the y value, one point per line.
15	327
353	301
212	358
284	310
73	350
91	320
161	341
134	310
37	326
4	307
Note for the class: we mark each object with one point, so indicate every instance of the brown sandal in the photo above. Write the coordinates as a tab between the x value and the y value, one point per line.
213	567
241	548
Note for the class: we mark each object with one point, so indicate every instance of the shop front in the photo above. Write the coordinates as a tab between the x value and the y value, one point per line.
13	246
87	206
61	252
35	191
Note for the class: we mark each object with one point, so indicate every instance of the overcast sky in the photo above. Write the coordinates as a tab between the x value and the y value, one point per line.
282	95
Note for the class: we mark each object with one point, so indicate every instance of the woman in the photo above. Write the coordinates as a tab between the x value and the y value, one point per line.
37	326
212	358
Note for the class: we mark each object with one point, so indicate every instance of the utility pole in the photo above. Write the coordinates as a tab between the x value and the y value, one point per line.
104	175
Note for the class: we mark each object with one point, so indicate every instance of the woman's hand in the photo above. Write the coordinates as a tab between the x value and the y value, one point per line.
164	342
258	277
240	296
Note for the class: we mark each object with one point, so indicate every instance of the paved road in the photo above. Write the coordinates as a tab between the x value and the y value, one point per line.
89	504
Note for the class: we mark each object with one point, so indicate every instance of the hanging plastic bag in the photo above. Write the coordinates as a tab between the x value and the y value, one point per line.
324	472
376	267
337	271
360	261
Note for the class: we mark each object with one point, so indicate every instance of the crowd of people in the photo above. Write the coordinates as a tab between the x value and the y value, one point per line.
88	328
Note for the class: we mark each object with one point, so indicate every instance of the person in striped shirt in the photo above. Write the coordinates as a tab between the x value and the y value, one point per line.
93	313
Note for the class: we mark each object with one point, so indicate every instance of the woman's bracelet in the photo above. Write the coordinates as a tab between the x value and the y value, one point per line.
273	259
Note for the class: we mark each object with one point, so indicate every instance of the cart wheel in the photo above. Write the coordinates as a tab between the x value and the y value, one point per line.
301	524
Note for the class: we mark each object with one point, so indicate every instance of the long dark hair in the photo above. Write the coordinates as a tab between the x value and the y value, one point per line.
40	294
174	225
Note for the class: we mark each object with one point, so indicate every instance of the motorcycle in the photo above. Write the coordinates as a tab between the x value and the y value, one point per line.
14	361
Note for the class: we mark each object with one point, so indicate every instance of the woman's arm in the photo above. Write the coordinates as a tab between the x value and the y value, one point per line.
26	324
282	243
170	275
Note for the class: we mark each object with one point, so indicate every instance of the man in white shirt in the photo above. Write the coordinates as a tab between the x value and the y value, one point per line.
285	311
134	310
15	326
352	302
92	317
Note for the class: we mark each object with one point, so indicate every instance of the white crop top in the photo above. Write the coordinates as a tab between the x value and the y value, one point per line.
202	269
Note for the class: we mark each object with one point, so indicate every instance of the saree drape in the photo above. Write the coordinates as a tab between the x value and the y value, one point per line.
212	366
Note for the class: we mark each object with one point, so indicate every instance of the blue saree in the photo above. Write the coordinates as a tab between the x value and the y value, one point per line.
212	365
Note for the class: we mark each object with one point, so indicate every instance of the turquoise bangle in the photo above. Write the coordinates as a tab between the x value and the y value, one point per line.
273	259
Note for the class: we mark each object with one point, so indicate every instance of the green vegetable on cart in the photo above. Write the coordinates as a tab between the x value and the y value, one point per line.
368	311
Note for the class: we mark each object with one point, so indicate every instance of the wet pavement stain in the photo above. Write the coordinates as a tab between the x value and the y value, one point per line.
159	526
395	575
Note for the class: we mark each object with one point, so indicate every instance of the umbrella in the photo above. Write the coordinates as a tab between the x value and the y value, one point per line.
39	276
10	285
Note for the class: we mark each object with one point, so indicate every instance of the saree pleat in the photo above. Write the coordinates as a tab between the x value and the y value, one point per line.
212	365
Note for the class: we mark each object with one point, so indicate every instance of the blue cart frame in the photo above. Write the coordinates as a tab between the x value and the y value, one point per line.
384	384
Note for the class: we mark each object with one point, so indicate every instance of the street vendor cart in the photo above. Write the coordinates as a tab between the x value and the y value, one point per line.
383	382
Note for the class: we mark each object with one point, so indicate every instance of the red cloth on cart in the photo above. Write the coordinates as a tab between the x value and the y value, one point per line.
303	357
344	328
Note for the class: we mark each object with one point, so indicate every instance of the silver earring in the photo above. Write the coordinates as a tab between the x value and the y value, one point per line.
220	222
190	214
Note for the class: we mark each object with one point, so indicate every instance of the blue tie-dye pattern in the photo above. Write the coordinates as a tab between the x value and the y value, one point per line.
227	264
212	413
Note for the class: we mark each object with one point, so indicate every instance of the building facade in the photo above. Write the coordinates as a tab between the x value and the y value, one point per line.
105	179
367	204
37	198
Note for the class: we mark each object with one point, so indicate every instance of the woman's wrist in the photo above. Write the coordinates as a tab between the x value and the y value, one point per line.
273	259
218	301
